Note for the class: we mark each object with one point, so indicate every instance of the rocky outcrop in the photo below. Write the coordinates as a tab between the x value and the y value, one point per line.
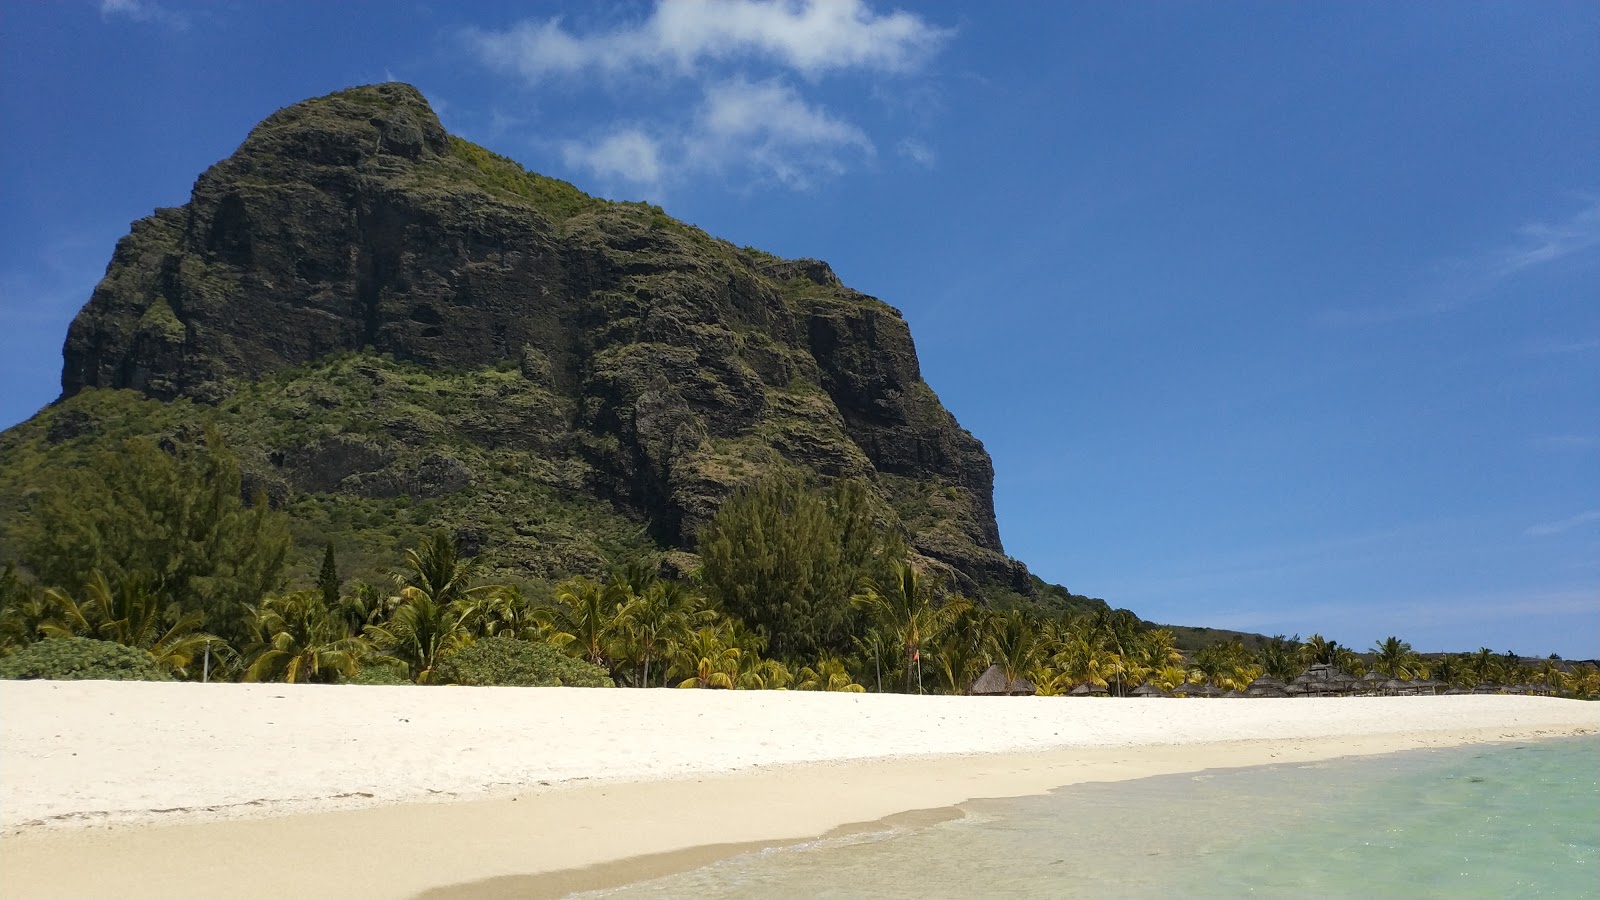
638	362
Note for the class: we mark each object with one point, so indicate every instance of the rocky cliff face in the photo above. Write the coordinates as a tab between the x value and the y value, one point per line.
383	310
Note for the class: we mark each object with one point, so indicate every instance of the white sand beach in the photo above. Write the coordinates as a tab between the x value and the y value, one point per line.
137	789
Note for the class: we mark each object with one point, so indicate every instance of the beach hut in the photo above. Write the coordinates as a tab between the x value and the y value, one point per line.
993	683
1148	690
1266	686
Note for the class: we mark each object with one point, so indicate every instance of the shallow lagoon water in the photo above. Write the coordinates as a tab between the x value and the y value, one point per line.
1498	820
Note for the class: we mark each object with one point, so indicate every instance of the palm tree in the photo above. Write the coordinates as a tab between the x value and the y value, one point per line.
757	674
129	613
1395	658
24	610
829	674
438	569
586	618
422	632
904	608
299	639
707	660
1013	639
654	622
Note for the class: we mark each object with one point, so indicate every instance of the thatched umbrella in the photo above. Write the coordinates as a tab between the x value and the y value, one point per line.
1266	686
1234	693
1185	689
1432	685
1088	689
1488	687
993	683
1395	686
1208	690
1149	690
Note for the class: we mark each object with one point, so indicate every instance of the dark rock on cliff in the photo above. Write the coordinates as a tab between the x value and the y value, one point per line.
378	311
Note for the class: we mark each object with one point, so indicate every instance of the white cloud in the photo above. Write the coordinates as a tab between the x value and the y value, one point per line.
143	11
917	152
629	155
808	36
1545	242
1468	281
1559	526
764	127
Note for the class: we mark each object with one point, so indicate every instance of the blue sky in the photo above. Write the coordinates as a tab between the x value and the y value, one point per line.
1283	317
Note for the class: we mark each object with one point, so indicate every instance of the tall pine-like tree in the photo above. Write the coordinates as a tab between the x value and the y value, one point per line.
328	578
785	556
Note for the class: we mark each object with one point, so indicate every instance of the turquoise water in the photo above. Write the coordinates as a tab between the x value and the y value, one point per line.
1506	820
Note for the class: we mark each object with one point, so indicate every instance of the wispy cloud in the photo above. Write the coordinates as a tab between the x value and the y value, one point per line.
1568	442
143	11
749	66
1544	529
812	37
917	152
1463	282
763	127
1541	243
1561	346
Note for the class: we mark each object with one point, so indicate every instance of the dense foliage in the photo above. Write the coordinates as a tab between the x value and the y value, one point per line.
786	557
150	565
81	659
517	663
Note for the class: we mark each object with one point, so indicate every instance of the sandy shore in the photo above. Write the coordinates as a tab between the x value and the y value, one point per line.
129	789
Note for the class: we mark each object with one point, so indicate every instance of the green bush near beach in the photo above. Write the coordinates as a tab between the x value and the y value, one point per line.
81	659
503	661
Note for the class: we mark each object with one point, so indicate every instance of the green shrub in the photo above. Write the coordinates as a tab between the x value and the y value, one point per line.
81	659
508	661
381	671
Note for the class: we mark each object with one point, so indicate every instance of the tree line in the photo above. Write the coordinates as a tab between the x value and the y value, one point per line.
801	587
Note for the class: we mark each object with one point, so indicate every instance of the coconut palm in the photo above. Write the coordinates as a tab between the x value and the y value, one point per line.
1012	639
757	674
707	660
24	610
299	639
904	608
1395	658
422	632
129	612
654	622
586	618
829	674
437	568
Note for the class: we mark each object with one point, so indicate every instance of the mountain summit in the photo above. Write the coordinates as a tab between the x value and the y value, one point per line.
392	323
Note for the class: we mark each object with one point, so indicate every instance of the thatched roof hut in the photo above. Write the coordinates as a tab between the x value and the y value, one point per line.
1488	687
1396	686
993	683
1266	686
1207	690
1149	690
1234	693
1323	678
1185	689
1087	690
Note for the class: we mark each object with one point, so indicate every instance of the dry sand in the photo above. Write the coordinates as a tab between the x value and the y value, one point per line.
132	789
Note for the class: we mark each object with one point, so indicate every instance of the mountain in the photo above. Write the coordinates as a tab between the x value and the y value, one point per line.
396	328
